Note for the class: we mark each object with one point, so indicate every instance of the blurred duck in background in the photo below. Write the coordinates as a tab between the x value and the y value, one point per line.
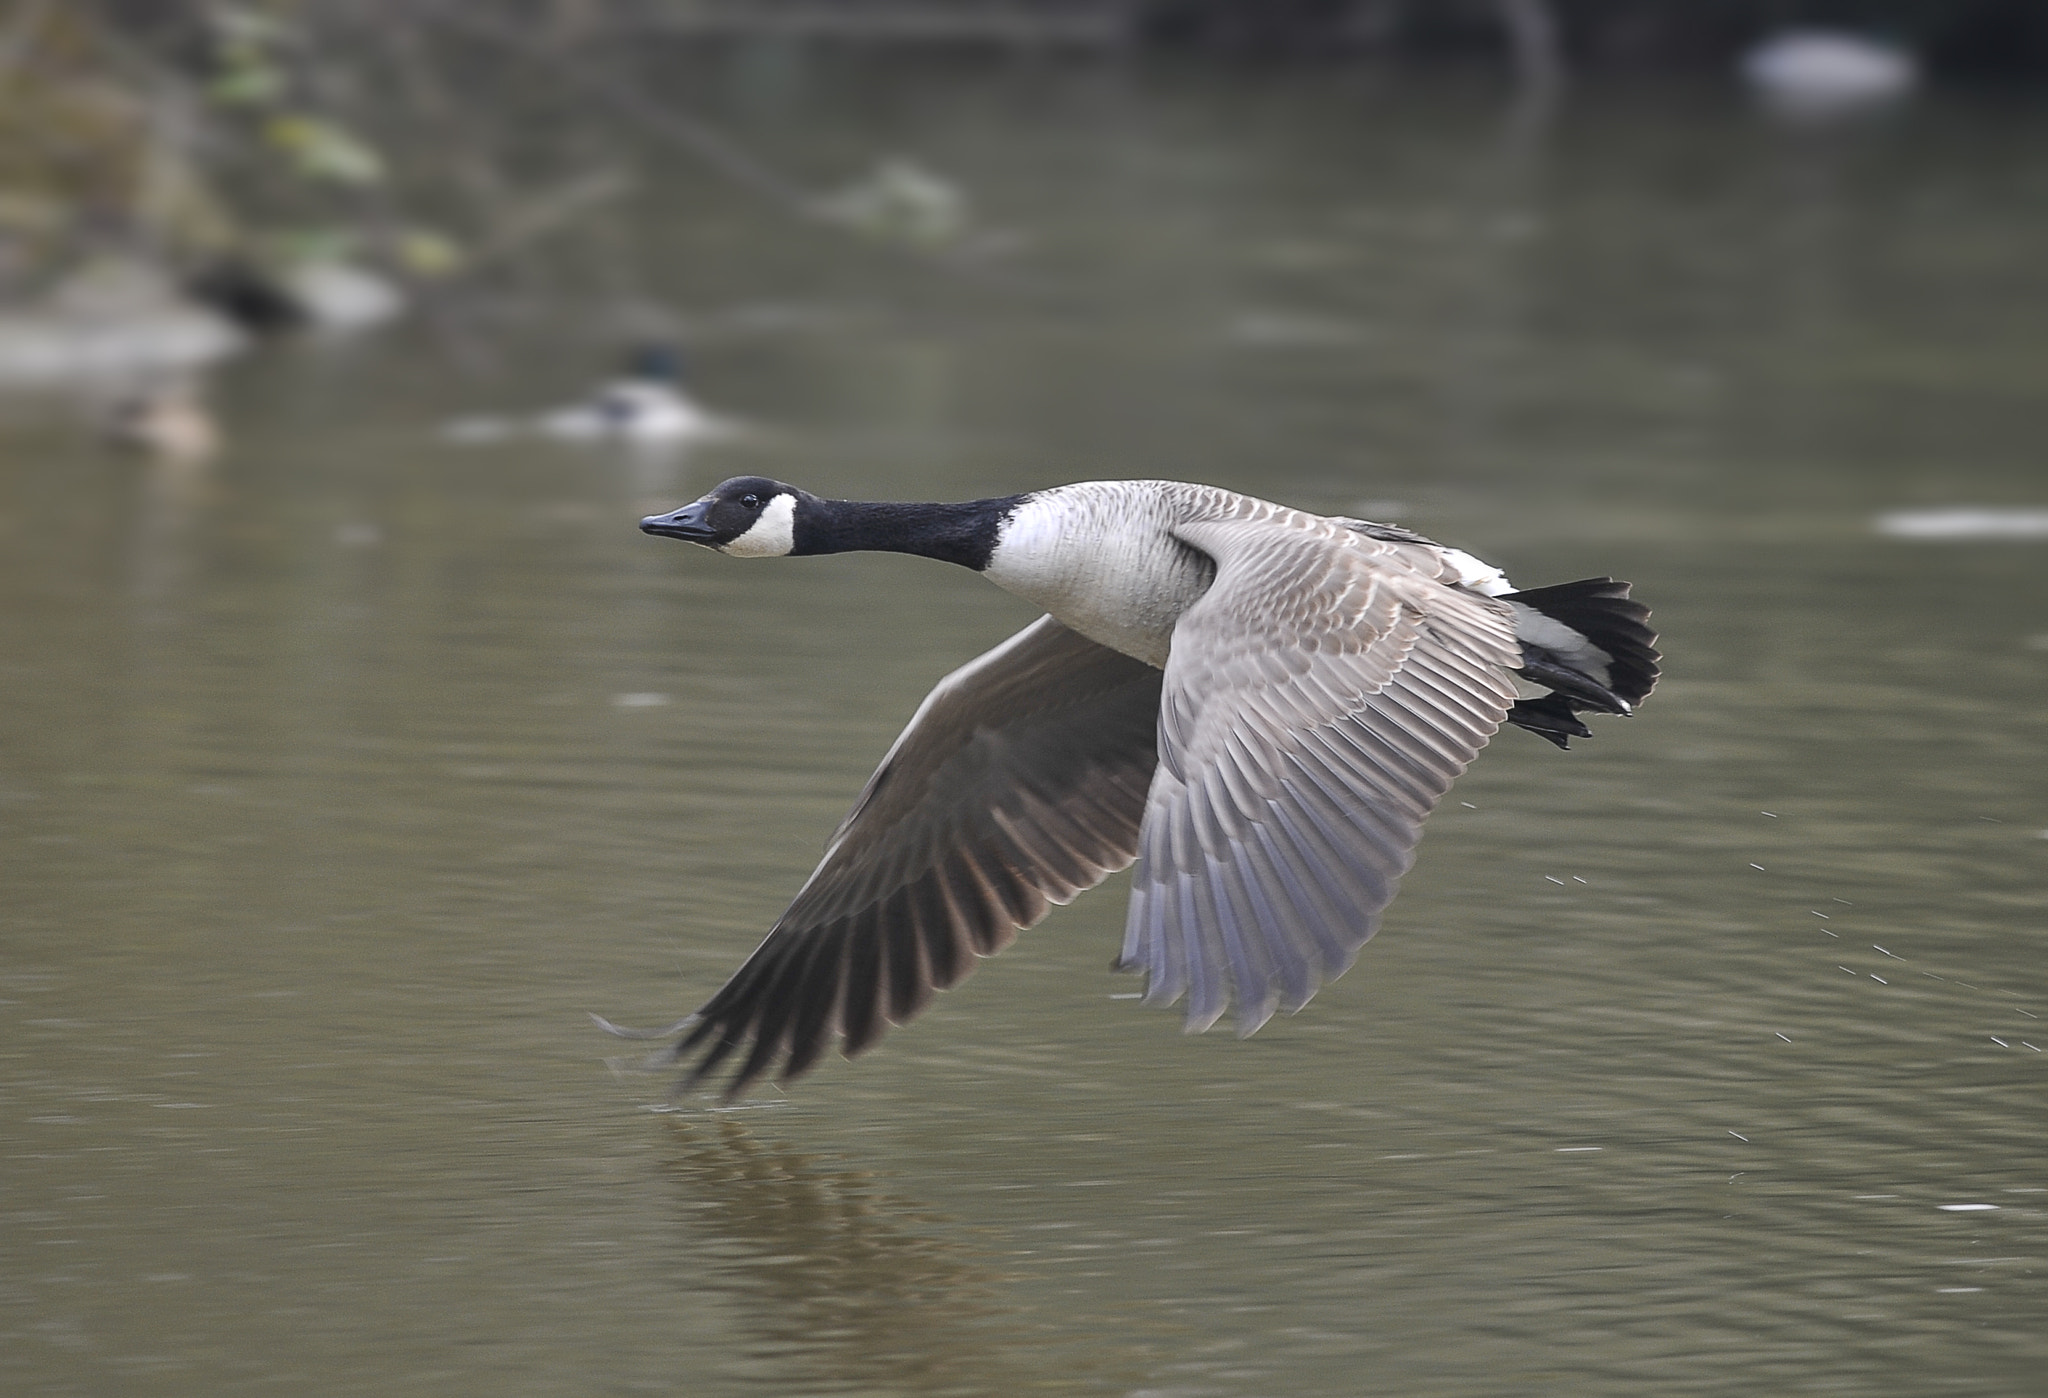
645	404
1818	73
167	421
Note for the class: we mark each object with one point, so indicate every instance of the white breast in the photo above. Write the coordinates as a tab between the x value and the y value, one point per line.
1099	558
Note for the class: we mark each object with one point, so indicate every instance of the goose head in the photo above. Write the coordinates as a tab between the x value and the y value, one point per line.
747	517
755	517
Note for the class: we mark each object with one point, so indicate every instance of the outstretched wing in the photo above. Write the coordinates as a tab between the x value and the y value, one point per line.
1319	700
1019	782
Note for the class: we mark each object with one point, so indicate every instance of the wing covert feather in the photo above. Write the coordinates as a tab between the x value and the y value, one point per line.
1319	700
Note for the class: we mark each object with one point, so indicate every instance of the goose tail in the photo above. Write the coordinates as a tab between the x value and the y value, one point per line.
1591	645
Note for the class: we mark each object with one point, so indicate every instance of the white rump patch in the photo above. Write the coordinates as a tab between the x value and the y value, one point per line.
773	534
1476	574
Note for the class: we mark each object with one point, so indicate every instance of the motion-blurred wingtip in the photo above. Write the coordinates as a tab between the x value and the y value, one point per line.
621	1032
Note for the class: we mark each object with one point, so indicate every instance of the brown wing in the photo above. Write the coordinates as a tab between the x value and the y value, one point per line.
1319	700
1019	782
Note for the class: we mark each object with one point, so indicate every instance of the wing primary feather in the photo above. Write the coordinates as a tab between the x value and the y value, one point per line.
721	1049
1245	942
910	976
820	1012
1362	806
1292	977
1207	997
802	995
1326	871
1002	864
1339	831
1050	863
1317	914
973	900
1064	857
868	950
759	1060
1168	961
1165	966
1169	958
945	937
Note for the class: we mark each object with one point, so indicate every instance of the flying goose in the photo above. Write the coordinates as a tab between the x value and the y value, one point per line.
1256	705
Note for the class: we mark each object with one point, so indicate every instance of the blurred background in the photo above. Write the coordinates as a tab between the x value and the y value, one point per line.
354	744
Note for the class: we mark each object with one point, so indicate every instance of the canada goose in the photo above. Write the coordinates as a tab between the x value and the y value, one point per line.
1256	705
646	404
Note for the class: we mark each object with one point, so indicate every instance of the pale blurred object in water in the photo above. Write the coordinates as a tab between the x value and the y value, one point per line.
114	321
631	410
1818	73
646	405
904	201
342	297
168	420
1983	522
480	429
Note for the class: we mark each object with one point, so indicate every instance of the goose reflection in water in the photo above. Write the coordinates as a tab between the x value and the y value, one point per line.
844	1285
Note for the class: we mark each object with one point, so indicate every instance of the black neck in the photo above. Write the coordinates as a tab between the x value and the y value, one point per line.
964	533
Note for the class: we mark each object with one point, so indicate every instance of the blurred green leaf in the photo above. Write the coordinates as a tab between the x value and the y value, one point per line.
324	151
423	252
291	247
246	79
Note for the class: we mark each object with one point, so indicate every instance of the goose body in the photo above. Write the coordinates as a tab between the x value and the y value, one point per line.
1256	705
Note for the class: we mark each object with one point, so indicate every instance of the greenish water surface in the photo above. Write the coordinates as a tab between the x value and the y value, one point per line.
341	777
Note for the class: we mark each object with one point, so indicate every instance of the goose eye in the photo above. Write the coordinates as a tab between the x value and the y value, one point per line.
752	502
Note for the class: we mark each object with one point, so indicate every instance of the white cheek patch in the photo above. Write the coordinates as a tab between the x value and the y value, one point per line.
773	534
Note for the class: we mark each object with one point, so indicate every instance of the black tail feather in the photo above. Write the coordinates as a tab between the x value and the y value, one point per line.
1601	610
1588	693
1552	718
